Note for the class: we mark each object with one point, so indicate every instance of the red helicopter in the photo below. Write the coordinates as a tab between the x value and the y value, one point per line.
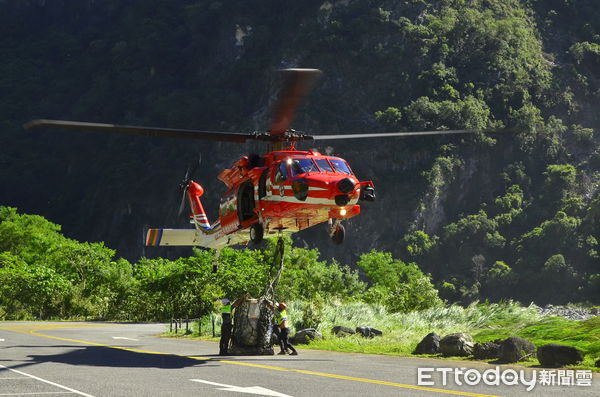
283	191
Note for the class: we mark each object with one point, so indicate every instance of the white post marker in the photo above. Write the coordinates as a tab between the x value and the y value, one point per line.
122	337
261	391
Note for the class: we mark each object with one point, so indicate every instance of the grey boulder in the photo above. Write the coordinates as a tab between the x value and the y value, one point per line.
459	344
306	335
342	331
486	350
430	344
515	349
368	332
554	355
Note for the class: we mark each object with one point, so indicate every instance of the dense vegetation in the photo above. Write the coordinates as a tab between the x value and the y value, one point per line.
44	275
509	216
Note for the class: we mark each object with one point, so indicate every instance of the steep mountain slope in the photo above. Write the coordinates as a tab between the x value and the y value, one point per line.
488	216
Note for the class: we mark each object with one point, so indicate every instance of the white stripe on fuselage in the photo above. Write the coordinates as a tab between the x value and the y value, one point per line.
310	188
308	200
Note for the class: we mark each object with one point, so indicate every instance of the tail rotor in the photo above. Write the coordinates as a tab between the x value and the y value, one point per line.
186	181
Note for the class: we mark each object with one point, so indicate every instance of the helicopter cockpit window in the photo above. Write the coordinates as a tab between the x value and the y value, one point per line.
301	166
281	174
341	166
324	165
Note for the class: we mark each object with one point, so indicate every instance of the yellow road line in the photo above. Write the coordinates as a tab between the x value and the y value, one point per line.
366	380
275	368
104	345
28	327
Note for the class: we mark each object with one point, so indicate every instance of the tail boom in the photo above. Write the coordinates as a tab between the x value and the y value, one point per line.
163	237
216	238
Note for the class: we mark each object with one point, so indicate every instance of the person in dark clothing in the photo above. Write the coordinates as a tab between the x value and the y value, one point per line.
226	327
281	322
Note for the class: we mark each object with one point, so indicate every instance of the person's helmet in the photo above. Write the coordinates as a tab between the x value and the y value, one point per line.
225	301
282	306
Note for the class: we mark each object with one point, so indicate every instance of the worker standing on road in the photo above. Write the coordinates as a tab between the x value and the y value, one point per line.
226	326
281	322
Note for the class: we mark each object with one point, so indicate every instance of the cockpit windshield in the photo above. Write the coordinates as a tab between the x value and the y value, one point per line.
324	165
301	166
340	166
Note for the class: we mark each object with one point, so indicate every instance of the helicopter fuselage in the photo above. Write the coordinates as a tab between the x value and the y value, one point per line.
280	192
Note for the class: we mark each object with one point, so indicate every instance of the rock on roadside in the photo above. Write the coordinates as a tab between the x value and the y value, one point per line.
306	335
515	349
368	332
459	344
342	331
554	355
430	344
487	350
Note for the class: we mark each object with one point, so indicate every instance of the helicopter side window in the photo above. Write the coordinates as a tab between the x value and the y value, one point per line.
341	166
324	165
301	166
281	174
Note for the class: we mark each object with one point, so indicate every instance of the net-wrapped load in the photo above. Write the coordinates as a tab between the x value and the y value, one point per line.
252	327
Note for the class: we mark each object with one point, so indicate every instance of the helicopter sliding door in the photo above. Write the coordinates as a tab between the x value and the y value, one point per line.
245	201
262	184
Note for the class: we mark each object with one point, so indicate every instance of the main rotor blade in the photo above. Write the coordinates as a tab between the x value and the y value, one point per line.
407	133
147	131
297	84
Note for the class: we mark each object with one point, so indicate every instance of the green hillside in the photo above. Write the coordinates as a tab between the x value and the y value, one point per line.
507	216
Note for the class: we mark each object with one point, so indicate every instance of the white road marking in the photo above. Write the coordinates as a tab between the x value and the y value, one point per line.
122	337
34	394
1	340
46	381
249	390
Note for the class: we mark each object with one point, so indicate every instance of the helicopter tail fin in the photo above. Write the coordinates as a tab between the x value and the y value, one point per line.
199	218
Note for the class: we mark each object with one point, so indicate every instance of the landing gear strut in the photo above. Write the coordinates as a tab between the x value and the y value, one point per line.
257	232
337	232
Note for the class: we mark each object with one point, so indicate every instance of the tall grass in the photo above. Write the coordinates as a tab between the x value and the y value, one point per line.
402	331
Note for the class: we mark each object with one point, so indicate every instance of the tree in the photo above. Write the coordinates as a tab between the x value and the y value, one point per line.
401	287
559	181
418	243
29	291
499	281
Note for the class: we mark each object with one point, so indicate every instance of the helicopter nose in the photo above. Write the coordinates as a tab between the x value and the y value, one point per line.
342	199
346	185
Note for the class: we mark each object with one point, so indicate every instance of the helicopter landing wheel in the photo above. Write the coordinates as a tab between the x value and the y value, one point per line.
256	233
338	234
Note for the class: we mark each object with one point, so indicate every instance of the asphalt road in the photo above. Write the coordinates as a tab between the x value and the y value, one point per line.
105	359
